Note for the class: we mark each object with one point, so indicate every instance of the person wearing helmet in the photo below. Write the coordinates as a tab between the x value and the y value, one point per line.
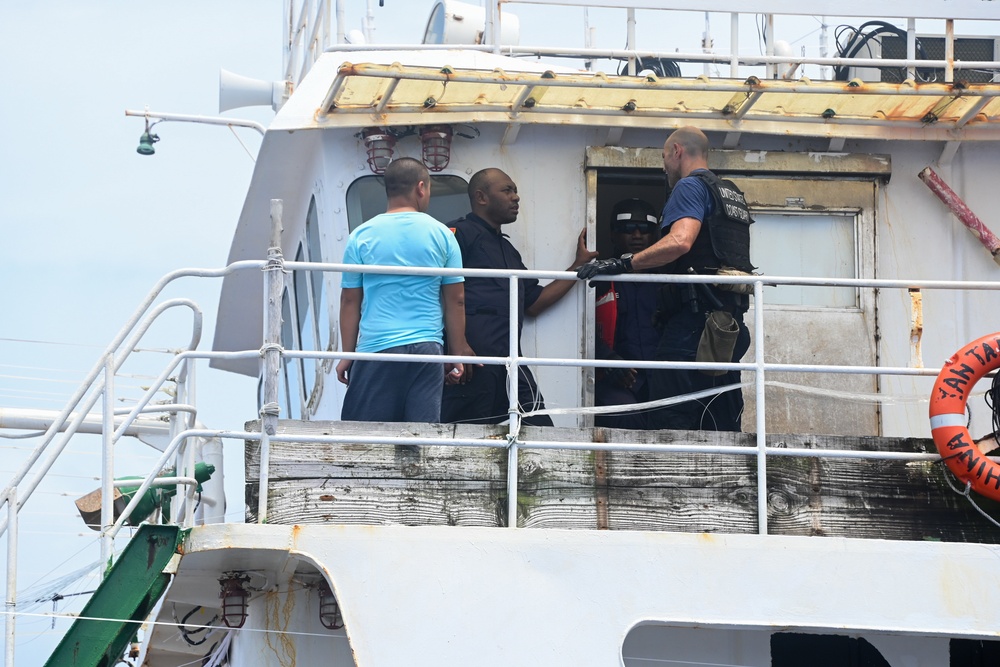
624	318
705	229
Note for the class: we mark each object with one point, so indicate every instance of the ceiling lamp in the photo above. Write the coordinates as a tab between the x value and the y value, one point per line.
435	142
329	609
379	144
234	599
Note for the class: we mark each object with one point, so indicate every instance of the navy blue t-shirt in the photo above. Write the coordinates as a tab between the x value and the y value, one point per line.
690	198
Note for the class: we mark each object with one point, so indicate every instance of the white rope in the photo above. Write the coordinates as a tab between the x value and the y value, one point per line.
884	399
639	407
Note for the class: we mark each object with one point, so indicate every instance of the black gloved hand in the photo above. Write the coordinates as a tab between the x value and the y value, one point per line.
610	267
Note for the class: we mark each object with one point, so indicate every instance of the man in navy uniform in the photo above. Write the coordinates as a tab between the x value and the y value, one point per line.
624	319
481	397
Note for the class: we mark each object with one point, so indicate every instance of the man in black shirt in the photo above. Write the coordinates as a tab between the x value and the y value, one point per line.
482	397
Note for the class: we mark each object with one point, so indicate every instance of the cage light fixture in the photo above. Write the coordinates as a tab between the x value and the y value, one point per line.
435	143
380	145
234	597
329	609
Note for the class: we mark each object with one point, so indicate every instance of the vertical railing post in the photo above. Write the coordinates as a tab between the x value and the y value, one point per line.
734	43
341	23
911	47
187	470
772	68
491	31
949	50
186	395
630	39
271	350
758	351
108	462
11	602
706	45
513	411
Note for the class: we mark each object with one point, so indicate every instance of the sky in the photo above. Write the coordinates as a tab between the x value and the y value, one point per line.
89	225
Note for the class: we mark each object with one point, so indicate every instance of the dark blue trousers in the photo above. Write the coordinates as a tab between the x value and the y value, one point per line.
395	391
679	342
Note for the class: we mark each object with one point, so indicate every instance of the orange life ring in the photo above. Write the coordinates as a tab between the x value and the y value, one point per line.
947	411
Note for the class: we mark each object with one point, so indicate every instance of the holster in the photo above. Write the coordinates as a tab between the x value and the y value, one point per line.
718	340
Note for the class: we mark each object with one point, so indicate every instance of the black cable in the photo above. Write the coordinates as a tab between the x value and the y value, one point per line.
859	39
186	633
992	399
662	67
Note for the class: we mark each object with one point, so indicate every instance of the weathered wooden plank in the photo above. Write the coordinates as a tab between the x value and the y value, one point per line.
444	485
310	460
381	502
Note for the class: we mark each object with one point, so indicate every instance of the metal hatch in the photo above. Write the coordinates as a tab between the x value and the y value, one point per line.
400	94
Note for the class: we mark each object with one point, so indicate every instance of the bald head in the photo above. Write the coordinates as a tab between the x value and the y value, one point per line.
685	150
693	140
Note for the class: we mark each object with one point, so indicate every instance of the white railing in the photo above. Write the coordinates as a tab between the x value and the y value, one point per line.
307	34
100	383
76	416
690	11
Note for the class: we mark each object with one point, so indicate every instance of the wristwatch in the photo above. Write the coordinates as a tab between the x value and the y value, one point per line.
626	260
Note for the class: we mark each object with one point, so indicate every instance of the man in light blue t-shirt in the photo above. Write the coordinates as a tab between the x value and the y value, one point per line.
401	314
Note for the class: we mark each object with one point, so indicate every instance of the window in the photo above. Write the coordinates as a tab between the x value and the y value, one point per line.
310	313
773	236
305	319
317	279
792	649
973	653
366	198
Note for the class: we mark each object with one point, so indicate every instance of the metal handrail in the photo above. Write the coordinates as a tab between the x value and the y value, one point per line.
144	315
735	9
307	32
744	59
79	405
759	366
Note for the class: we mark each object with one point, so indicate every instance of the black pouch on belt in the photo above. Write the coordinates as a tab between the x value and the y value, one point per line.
718	340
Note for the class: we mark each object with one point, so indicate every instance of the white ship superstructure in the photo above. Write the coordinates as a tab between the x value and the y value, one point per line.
827	532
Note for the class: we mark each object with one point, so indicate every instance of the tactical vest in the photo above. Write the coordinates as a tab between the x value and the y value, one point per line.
724	239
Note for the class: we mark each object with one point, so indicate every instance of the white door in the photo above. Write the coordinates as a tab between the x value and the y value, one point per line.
824	229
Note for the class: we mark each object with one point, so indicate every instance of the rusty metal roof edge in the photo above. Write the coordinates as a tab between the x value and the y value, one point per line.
848	128
740	112
738	161
651	82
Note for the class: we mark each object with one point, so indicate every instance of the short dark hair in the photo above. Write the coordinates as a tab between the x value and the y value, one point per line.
480	181
402	175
